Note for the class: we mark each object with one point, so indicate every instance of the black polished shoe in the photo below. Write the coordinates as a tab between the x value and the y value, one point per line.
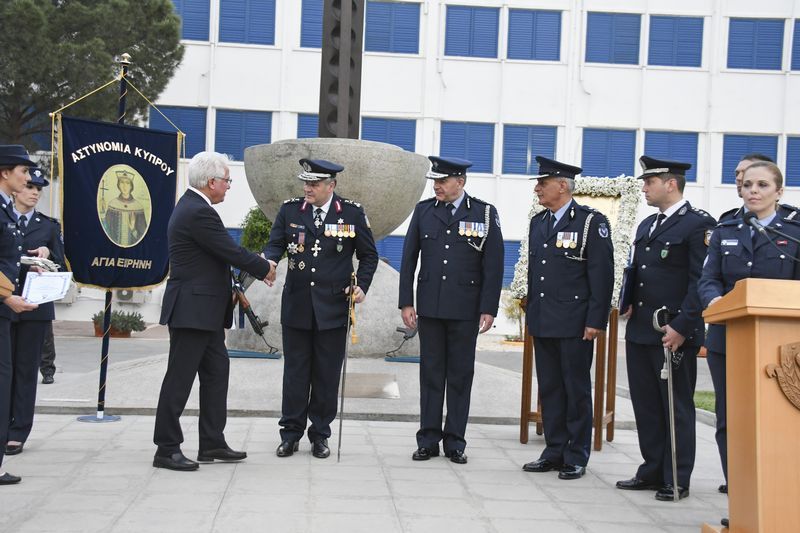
9	479
571	472
541	465
423	454
176	461
287	448
635	483
457	456
220	454
14	449
665	493
725	522
47	379
723	489
319	449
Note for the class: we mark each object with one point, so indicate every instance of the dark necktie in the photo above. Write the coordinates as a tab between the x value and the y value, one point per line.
660	218
22	221
449	208
553	220
318	217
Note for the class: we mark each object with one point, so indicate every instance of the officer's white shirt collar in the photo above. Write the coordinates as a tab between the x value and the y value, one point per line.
325	208
558	214
671	210
28	216
200	194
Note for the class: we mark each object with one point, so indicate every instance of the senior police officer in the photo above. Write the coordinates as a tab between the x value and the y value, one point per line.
667	260
42	238
458	290
320	231
784	210
570	279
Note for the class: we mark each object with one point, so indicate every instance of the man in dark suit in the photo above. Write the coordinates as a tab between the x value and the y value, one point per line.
42	238
666	264
198	306
783	210
458	290
570	279
320	231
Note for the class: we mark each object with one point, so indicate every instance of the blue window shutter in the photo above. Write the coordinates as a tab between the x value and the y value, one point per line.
673	146
626	39
392	27
796	46
613	38
257	129
599	37
391	248
401	133
458	31
735	146
191	121
311	24
534	34
405	28
676	41
521	145
755	43
378	33
608	152
485	24
237	130
520	34
194	18
232	21
469	140
471	31
510	258
307	126
247	21
793	162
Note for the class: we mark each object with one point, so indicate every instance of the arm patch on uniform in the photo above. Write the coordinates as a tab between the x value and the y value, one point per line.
602	229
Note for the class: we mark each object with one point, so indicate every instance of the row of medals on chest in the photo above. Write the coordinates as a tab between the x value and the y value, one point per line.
567	239
471	229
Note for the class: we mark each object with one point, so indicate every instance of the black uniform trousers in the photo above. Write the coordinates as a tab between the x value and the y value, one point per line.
651	410
447	365
48	365
563	374
26	350
311	369
717	363
193	352
5	382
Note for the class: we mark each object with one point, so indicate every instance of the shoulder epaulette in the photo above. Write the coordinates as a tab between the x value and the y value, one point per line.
293	200
791	220
541	213
731	222
474	199
729	213
700	212
51	219
426	200
586	207
351	202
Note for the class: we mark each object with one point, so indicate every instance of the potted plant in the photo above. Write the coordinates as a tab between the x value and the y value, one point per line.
122	323
513	310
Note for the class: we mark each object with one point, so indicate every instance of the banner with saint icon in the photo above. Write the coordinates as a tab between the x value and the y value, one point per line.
118	191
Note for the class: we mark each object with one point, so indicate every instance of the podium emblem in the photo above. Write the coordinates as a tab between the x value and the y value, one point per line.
788	372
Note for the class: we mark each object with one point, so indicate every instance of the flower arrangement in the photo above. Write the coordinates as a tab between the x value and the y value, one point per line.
121	322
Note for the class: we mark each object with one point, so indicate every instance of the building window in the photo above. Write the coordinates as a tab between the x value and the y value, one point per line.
307	126
608	152
521	145
534	34
755	43
392	27
473	141
190	120
402	133
676	41
796	46
510	258
673	146
311	24
471	31
247	21
236	130
735	146
194	19
793	162
613	38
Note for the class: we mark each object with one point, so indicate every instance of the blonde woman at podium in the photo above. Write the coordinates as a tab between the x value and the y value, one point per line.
757	244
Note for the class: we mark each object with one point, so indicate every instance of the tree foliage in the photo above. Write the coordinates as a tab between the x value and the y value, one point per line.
54	51
255	230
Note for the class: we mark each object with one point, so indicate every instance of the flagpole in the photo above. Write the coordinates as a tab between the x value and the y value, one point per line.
101	416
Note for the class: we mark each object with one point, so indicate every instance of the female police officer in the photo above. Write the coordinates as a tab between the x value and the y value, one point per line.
737	251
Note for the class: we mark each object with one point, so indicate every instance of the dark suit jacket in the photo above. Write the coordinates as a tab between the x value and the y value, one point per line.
198	294
455	281
11	241
666	267
41	231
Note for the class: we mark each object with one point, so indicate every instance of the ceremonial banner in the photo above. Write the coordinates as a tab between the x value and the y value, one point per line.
118	192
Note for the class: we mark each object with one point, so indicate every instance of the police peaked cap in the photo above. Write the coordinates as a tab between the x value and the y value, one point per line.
318	170
654	167
550	168
12	155
37	177
442	167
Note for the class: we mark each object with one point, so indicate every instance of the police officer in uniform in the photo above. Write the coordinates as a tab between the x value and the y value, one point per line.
784	210
458	291
320	232
14	174
667	259
570	279
42	238
735	252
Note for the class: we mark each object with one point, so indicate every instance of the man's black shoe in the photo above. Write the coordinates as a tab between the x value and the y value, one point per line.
457	456
725	522
14	449
220	454
635	483
572	472
665	494
319	449
9	479
176	461
287	448
541	465
423	454
47	379
723	489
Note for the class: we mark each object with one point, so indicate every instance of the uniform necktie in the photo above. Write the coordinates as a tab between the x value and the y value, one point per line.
449	207
659	219
553	220
22	221
318	217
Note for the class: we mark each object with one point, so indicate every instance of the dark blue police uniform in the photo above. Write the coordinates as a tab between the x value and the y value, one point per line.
570	280
460	253
28	332
665	268
784	211
733	254
314	305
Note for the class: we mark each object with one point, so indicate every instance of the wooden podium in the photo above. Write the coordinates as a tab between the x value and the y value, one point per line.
763	373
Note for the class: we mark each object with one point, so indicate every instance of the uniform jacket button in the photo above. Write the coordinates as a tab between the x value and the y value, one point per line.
445	261
444	277
313	269
749	263
544	261
312	283
541	294
448	232
446	246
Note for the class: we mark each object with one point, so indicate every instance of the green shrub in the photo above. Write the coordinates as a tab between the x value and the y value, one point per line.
121	321
255	230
